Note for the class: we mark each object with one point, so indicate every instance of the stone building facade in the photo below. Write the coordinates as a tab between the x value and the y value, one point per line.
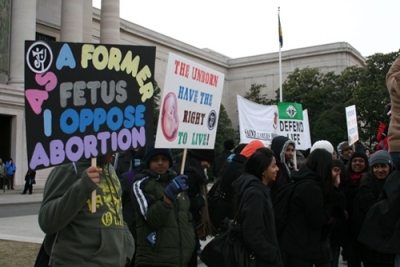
78	21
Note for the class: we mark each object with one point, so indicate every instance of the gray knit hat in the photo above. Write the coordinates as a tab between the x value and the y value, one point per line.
380	157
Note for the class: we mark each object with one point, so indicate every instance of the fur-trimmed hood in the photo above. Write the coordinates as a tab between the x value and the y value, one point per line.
279	145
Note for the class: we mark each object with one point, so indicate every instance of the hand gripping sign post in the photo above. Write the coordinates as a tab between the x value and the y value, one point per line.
86	100
189	110
352	126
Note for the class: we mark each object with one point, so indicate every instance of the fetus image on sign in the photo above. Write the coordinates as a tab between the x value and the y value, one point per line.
169	117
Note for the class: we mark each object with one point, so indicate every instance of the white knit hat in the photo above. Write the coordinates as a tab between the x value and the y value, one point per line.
322	144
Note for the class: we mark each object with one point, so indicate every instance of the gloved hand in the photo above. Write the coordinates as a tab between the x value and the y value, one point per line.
178	184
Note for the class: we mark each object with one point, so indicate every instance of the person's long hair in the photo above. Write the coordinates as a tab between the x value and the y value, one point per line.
257	163
320	161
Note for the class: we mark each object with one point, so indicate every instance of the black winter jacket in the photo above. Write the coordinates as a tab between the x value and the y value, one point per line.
368	194
381	227
309	210
257	219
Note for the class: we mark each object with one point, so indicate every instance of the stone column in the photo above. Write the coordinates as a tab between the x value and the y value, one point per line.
71	20
109	22
87	21
23	27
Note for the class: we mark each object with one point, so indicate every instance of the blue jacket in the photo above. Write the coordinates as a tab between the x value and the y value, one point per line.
10	168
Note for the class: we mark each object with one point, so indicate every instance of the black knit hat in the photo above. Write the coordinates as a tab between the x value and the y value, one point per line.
358	154
229	145
151	152
202	154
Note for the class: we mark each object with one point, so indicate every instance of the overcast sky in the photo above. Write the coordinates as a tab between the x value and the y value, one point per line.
246	28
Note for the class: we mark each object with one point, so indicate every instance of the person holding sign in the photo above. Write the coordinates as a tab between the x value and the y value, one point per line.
164	229
74	235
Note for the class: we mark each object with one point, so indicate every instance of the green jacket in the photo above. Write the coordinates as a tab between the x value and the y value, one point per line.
84	238
171	224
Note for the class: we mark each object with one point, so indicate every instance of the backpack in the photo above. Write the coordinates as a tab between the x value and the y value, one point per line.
213	198
281	202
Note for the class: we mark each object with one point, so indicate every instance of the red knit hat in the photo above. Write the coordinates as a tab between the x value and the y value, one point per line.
251	148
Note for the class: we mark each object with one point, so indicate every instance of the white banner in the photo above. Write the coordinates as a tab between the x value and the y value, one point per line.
189	108
262	122
257	121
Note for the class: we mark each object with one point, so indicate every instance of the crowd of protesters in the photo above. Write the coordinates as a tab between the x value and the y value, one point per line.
152	206
162	204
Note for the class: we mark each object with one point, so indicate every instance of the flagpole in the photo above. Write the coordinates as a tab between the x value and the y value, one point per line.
280	59
280	75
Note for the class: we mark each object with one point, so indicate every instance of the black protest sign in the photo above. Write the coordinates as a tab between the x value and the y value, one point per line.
86	100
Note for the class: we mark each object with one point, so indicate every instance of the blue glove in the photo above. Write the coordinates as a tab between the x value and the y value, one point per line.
178	184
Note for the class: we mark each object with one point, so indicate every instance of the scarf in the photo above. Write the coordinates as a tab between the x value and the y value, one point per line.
355	176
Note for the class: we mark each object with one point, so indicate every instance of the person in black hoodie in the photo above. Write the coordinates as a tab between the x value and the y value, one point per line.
357	166
311	210
256	214
283	149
